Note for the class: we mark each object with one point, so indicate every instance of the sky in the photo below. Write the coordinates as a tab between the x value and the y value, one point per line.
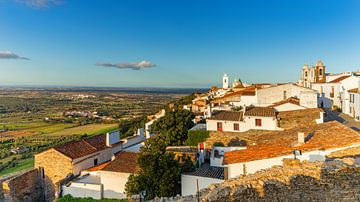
173	43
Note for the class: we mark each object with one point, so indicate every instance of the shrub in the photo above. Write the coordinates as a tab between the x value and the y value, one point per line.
196	136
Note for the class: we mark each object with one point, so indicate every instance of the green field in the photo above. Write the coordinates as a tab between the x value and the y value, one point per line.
23	165
90	129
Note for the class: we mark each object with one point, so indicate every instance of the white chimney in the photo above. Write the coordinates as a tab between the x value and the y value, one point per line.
113	157
301	138
112	138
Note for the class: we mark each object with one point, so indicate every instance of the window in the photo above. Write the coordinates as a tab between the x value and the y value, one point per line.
332	92
95	162
306	74
219	126
320	72
285	96
216	154
257	122
236	126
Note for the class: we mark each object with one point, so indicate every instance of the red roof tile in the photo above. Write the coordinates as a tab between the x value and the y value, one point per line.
77	149
339	79
124	162
260	111
226	115
291	100
324	136
354	90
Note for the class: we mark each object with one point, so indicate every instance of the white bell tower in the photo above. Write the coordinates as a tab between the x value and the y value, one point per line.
225	81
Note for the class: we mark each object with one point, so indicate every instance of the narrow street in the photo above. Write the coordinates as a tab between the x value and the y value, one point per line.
342	118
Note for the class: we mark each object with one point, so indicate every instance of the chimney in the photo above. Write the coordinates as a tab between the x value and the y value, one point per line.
112	138
113	157
301	138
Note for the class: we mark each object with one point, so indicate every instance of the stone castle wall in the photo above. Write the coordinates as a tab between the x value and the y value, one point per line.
25	187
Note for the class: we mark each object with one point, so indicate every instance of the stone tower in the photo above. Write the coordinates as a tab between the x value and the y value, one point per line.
225	81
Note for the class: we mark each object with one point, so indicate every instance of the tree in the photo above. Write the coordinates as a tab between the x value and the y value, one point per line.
159	171
158	174
174	126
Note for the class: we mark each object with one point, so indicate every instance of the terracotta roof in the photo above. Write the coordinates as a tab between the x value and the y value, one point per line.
327	135
124	162
260	111
77	149
292	100
339	79
226	115
354	90
98	167
248	91
298	118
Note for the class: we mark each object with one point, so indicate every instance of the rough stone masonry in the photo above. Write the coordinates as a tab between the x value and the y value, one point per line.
333	180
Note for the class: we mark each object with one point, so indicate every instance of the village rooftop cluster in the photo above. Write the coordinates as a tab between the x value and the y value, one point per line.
252	127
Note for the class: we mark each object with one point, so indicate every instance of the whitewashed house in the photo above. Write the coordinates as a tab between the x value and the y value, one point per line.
105	181
310	143
274	94
354	103
262	118
335	93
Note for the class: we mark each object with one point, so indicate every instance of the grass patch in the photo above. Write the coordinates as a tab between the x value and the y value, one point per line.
90	129
23	165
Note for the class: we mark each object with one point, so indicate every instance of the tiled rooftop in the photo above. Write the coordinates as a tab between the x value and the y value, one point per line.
339	79
77	149
124	162
324	136
210	172
260	111
226	115
291	100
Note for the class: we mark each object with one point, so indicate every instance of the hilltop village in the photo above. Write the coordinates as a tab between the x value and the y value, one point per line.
237	130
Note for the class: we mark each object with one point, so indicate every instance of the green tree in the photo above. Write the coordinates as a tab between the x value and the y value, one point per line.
174	126
158	174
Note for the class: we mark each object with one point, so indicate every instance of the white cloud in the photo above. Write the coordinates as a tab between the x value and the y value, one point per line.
134	66
11	55
40	3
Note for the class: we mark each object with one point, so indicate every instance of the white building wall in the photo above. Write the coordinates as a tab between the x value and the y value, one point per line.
228	126
248	100
324	98
345	85
288	107
83	190
86	162
189	187
114	184
267	123
268	96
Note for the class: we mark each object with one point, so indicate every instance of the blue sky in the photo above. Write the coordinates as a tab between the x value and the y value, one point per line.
183	43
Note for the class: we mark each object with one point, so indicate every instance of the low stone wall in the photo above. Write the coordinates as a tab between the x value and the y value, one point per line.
24	187
334	180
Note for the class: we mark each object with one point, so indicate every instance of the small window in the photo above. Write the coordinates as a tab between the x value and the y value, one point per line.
320	72
236	126
257	122
285	95
216	154
95	162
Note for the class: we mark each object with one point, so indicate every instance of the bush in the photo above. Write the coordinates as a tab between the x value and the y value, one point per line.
196	136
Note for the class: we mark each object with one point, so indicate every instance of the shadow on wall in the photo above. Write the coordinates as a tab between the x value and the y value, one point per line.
339	184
